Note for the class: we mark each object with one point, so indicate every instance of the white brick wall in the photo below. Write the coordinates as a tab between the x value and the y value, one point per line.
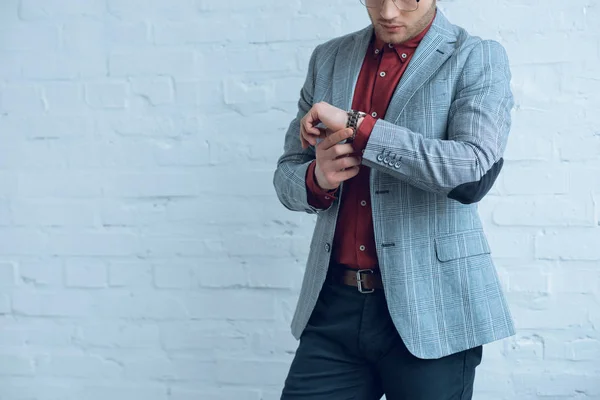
143	253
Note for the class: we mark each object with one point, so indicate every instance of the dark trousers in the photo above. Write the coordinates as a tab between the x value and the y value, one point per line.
350	349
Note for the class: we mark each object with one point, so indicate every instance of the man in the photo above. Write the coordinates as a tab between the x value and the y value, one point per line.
400	131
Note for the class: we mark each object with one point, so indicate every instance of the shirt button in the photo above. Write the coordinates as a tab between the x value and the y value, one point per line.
327	197
362	248
404	55
374	114
363	151
363	203
376	51
391	45
382	74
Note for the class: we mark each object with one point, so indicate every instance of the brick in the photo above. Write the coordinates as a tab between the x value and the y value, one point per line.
539	48
93	244
121	391
575	277
154	126
5	308
80	35
174	275
581	179
21	241
168	368
61	184
54	9
48	127
8	183
28	37
274	342
20	388
10	68
156	91
237	305
238	5
69	66
15	365
6	217
255	96
22	99
320	27
133	212
525	347
556	384
537	312
180	64
141	185
51	304
584	146
511	243
106	95
7	274
48	273
86	274
152	9
120	335
139	304
64	97
534	180
259	58
572	244
251	372
10	12
107	152
185	152
544	211
42	333
77	366
198	335
215	394
206	30
130	274
53	213
584	350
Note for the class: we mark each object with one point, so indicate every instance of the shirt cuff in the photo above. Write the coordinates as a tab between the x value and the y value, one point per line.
316	196
363	133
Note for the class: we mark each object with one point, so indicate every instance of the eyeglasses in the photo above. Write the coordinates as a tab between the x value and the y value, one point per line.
402	5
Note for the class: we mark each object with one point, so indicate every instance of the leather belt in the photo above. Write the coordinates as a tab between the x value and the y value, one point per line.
365	280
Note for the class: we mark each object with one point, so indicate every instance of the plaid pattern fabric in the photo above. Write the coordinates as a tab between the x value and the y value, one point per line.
446	128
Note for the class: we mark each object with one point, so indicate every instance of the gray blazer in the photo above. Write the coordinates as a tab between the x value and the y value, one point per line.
436	153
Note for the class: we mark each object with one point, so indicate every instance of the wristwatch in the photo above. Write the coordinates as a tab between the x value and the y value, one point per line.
353	117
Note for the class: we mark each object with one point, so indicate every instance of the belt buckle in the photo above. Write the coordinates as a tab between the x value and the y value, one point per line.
359	280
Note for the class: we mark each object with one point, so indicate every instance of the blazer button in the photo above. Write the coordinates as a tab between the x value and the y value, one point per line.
397	165
327	247
386	160
380	157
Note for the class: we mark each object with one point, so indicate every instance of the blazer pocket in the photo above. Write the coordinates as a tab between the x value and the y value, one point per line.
460	245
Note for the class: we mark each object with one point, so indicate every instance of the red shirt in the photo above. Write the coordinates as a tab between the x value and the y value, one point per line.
354	240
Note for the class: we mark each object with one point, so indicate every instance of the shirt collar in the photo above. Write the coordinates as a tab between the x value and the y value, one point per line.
406	47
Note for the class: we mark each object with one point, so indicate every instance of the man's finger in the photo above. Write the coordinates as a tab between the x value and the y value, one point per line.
348	173
303	141
309	122
336	137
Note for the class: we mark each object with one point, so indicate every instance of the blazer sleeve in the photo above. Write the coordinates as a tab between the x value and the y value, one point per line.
465	166
289	178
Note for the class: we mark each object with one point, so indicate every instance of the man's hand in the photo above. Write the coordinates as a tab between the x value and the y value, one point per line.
332	117
335	162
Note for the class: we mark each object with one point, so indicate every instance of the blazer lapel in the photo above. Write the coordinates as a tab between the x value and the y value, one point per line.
435	48
347	68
